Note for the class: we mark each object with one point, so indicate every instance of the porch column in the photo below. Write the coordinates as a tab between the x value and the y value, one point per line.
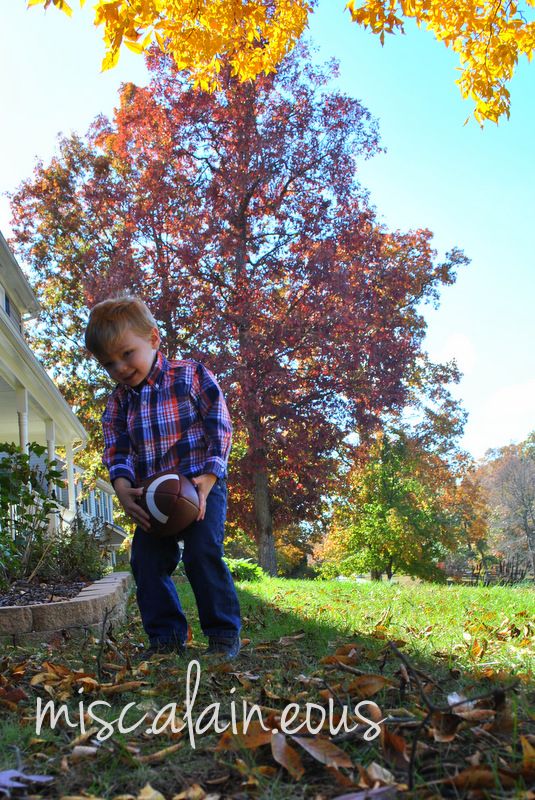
71	490
51	446
22	414
51	440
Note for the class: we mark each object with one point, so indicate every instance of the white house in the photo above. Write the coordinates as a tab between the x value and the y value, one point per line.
32	408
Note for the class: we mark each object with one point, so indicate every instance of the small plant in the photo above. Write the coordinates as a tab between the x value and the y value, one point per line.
73	553
27	502
244	569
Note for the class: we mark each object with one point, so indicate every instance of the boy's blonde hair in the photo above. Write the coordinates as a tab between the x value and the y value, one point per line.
109	320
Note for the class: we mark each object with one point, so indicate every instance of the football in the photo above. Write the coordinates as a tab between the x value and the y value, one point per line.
171	501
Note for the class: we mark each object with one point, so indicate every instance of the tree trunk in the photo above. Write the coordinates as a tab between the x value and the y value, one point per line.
267	556
532	554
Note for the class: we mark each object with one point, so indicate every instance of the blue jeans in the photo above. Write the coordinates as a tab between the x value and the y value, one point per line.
153	561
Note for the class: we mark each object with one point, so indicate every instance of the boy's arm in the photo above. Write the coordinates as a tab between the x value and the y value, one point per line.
216	421
118	454
119	459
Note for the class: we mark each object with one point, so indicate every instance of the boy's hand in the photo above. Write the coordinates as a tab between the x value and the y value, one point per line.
127	497
204	485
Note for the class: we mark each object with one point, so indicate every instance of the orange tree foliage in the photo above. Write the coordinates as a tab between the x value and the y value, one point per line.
239	218
252	37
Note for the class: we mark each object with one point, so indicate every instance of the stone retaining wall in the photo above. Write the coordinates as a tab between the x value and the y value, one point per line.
82	614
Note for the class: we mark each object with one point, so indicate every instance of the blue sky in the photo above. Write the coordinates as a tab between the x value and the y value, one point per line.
473	188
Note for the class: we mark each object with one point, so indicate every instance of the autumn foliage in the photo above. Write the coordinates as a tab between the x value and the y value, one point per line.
203	38
396	512
253	37
239	218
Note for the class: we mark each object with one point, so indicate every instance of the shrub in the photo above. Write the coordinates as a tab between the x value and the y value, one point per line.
244	569
74	553
238	544
26	504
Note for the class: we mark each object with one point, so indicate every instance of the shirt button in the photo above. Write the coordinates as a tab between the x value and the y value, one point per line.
156	385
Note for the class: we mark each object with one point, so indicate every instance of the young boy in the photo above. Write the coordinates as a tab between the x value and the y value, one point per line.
167	414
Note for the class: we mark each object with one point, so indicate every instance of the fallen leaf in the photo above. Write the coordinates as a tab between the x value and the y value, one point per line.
341	778
13	695
372	712
84	737
305	679
528	753
457	700
124	797
249	675
444	726
194	792
153	758
255	737
9	704
323	750
476	714
325	694
368	685
348	650
395	749
217	780
375	772
291	638
148	793
117	688
80	797
87	683
381	793
82	752
286	756
267	692
483	778
348	660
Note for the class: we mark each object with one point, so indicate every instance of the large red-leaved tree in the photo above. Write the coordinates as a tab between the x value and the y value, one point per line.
240	219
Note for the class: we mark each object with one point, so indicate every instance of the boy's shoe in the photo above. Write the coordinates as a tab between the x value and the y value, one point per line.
160	649
227	646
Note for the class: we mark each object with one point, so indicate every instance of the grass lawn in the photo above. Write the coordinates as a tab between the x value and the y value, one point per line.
323	646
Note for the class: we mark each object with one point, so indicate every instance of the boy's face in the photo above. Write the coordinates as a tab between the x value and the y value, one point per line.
129	361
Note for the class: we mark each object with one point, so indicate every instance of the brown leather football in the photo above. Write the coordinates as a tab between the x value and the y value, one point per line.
171	501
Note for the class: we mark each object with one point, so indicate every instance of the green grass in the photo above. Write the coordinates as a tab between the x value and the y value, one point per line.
432	618
467	640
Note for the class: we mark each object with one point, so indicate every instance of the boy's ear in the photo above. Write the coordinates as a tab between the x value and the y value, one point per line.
155	338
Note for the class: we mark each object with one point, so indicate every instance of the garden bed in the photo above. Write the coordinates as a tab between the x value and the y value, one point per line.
25	593
86	611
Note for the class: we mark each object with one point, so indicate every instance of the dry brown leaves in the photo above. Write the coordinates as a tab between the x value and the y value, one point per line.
461	743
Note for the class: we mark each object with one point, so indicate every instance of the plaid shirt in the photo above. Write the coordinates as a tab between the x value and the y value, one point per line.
176	418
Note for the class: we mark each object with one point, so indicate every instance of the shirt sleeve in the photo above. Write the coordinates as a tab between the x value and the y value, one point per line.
216	420
118	457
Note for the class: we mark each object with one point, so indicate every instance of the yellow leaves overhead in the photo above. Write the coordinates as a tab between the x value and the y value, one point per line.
489	37
253	36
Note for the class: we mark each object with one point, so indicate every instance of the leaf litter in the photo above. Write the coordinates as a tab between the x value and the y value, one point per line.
434	740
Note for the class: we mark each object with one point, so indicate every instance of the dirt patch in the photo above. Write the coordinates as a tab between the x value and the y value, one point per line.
22	593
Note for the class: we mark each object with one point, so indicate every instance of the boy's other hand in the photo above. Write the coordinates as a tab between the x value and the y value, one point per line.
204	485
128	499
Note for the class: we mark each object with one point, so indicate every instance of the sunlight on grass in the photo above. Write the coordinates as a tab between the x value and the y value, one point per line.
476	626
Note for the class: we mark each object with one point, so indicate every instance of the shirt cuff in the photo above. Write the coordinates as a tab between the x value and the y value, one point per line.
121	471
216	466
